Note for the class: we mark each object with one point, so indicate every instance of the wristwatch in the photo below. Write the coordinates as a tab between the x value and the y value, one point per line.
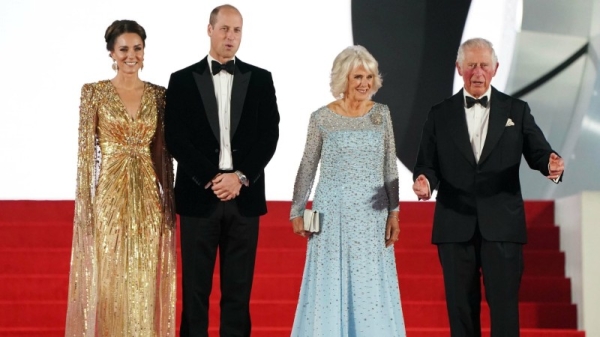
242	178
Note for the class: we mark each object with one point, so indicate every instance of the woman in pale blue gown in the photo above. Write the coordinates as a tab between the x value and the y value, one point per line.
350	283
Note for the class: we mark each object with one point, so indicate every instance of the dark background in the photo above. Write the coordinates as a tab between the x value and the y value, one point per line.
415	43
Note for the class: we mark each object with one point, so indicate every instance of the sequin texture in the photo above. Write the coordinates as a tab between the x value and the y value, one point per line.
350	284
123	262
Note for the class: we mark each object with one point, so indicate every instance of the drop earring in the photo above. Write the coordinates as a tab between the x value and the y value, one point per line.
115	67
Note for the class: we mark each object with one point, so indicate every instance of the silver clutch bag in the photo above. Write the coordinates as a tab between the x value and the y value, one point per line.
311	221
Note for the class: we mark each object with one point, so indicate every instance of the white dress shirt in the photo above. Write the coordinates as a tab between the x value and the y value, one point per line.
477	123
223	83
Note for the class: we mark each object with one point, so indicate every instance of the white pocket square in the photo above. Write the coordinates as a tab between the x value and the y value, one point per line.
509	122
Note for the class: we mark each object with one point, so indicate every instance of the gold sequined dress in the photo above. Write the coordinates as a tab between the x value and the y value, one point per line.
123	264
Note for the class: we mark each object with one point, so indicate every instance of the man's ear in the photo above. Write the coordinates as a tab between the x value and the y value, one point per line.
495	70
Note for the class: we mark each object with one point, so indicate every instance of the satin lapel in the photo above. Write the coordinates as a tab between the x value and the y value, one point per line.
499	109
241	78
457	122
205	85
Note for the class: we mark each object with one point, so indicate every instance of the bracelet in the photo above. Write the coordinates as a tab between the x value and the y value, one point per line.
393	216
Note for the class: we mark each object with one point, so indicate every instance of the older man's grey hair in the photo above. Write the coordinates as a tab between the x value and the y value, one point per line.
475	43
346	61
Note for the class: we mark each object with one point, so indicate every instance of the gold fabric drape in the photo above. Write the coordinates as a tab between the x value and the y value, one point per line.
123	261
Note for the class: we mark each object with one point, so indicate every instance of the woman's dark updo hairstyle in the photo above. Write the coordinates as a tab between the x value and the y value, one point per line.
120	27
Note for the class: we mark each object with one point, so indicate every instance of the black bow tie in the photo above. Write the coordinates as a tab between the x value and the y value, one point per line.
217	67
472	101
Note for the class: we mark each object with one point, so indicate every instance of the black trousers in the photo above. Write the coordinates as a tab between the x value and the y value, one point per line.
236	237
502	266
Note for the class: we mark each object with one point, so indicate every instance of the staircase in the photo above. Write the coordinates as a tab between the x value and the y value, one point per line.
35	245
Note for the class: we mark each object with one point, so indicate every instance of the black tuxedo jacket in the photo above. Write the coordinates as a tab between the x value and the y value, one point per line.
192	135
487	193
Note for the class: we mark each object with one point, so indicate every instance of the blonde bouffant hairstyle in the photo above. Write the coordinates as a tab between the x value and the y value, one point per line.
349	59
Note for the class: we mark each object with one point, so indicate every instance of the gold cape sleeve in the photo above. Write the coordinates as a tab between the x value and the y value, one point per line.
82	297
167	264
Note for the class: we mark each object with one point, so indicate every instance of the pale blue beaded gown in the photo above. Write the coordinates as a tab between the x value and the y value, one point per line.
350	284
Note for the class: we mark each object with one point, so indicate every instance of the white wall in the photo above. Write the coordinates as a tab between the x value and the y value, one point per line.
50	48
579	219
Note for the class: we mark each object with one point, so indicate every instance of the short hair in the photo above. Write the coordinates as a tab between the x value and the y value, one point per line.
213	14
477	42
120	27
345	62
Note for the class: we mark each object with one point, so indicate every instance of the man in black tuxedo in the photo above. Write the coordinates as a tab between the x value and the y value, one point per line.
221	125
470	151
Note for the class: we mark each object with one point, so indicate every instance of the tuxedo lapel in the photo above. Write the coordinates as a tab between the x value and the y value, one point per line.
241	78
204	82
457	121
499	109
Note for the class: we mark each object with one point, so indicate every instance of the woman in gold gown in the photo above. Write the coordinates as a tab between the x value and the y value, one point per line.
123	263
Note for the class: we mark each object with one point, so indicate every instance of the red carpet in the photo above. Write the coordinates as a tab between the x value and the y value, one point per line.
35	243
